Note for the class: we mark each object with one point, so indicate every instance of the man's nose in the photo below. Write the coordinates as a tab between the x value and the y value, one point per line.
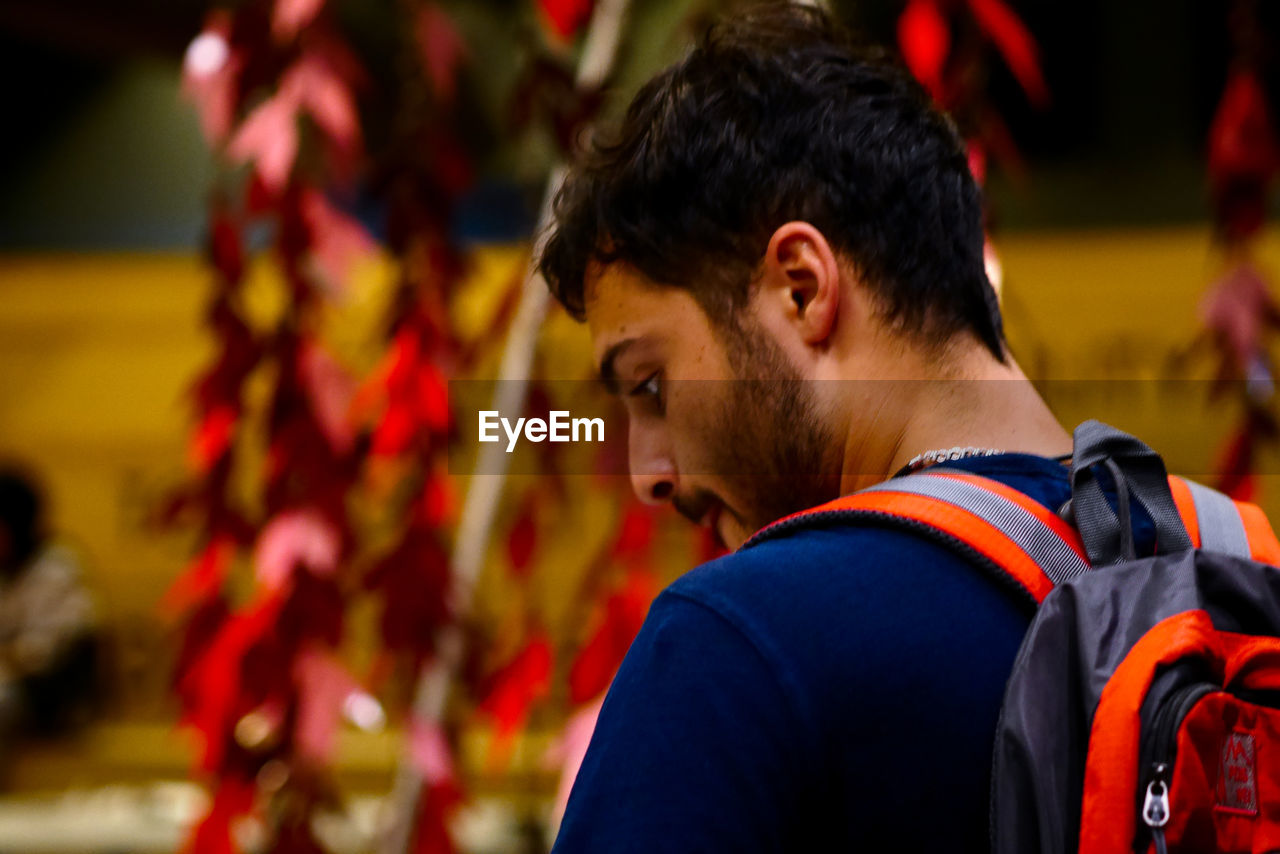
653	470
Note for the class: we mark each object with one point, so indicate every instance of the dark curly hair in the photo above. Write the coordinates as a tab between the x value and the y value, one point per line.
779	115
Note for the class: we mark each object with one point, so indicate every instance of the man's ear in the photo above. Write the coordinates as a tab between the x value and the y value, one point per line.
800	276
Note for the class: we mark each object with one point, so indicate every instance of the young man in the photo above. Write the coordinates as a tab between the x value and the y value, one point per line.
779	256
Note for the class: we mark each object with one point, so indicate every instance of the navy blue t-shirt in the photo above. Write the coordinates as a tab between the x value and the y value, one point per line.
835	689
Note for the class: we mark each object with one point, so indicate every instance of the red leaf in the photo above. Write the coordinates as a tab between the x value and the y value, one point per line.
417	396
1236	462
295	836
313	84
977	161
202	626
623	615
1016	45
516	687
441	48
1243	157
439	802
210	74
338	241
635	533
259	199
925	41
1237	309
212	438
998	144
439	501
290	16
412	581
323	686
394	433
403	356
522	540
429	751
226	250
314	612
219	387
433	398
233	798
451	163
268	138
212	685
201	579
566	17
295	538
1242	139
330	389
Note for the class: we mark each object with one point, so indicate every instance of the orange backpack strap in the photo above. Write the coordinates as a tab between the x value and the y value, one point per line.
1216	523
979	517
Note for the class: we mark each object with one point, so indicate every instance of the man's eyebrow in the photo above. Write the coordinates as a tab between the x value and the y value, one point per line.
608	369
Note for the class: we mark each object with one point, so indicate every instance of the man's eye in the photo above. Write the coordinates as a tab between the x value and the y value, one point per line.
651	389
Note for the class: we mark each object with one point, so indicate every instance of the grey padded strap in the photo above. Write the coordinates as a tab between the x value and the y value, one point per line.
1139	472
1221	528
1041	543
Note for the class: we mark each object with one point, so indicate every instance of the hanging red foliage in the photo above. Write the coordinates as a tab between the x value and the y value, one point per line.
636	530
414	396
1016	45
441	49
949	60
211	688
439	802
213	835
523	537
924	37
1239	312
202	579
412	582
1243	157
617	625
565	17
515	687
275	85
290	16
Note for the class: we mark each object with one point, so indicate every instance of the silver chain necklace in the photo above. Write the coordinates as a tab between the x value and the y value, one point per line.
946	455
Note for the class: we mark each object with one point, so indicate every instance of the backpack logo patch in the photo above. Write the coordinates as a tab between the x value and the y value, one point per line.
1238	779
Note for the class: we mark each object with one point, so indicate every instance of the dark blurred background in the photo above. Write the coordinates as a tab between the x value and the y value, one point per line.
95	155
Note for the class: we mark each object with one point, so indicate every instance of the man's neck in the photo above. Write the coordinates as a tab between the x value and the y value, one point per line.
987	405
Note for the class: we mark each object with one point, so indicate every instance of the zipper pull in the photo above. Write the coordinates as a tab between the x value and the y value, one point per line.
1155	808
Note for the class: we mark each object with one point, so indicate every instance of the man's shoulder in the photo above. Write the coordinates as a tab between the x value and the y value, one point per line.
832	610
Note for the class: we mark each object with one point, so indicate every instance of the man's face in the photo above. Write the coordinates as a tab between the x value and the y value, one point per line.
721	423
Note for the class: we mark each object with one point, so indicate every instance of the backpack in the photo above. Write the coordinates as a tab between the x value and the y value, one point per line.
1143	710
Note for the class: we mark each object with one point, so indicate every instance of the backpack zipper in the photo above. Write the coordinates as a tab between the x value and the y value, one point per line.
1155	806
1159	749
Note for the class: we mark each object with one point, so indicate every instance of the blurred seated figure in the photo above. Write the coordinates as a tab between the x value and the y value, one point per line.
47	632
